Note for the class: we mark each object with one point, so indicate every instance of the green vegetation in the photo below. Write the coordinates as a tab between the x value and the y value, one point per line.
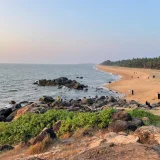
30	125
154	119
153	63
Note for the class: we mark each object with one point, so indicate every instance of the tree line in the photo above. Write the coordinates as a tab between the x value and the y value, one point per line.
153	63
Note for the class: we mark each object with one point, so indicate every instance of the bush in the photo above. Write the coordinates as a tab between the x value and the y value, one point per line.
30	125
154	119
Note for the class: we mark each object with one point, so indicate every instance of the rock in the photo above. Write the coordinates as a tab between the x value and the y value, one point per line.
90	101
132	106
62	81
111	99
12	102
2	118
134	124
45	132
121	102
6	148
84	100
57	126
131	151
46	99
148	134
156	148
22	111
121	115
118	126
11	116
102	98
133	102
122	139
155	105
6	112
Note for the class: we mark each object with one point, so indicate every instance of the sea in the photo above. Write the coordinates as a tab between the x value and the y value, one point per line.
16	81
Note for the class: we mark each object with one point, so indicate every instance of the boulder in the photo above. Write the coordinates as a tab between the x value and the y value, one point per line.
148	134
2	118
6	112
118	126
11	116
46	99
135	123
121	115
45	132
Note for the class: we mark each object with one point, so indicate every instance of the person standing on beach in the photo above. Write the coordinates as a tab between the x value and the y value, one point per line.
132	92
129	92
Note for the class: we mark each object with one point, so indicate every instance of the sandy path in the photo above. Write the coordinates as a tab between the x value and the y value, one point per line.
144	89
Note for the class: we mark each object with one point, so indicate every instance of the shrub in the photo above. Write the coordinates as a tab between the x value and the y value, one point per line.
154	119
30	125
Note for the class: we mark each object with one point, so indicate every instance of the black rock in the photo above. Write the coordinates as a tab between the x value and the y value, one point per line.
134	124
46	99
6	147
6	112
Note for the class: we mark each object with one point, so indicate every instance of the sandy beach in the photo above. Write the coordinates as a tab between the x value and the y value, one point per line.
141	81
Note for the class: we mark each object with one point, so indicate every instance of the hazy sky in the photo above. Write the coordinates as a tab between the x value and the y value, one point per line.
78	31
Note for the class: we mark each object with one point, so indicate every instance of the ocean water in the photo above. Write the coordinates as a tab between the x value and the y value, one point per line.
16	81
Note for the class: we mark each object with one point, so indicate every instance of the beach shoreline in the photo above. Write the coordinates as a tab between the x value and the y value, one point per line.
141	81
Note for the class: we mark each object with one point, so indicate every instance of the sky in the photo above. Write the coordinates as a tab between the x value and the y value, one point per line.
78	31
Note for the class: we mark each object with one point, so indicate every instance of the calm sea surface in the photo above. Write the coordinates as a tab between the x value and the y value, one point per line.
16	81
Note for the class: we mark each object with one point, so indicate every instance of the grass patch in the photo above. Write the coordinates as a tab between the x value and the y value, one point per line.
154	119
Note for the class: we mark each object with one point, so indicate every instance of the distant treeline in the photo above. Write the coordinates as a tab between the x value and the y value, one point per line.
153	63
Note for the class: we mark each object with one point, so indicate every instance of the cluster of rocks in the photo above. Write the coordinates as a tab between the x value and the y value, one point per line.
83	105
62	81
94	103
122	121
7	114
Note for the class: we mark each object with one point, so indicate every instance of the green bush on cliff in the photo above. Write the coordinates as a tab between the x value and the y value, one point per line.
30	125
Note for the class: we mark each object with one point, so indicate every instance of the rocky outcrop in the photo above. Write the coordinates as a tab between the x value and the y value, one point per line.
120	152
148	134
118	126
45	132
7	114
62	81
